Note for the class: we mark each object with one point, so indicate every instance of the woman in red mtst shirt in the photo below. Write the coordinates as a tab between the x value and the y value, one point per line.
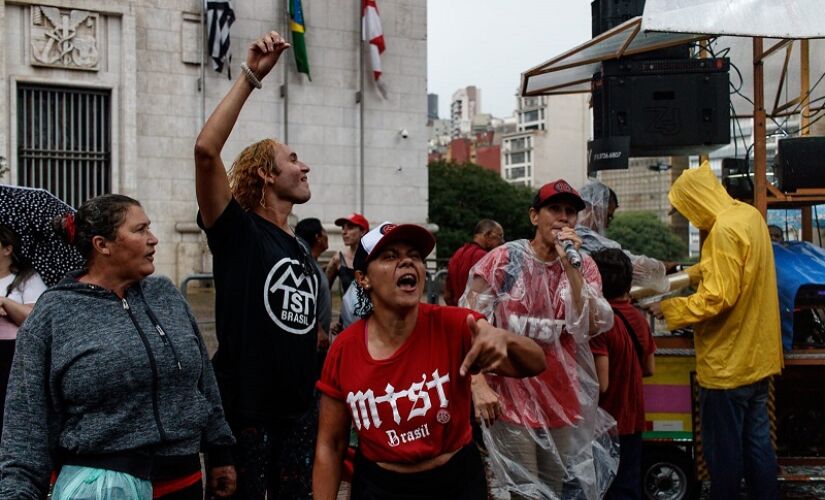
401	378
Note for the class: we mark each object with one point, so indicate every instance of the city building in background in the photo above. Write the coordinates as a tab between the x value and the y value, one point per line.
488	150
550	141
644	185
470	136
545	139
432	108
440	136
483	149
466	102
110	98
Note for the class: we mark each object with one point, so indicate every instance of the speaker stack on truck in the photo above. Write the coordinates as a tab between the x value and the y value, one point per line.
667	107
799	163
659	103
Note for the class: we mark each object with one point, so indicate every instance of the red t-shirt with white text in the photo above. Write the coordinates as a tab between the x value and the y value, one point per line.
414	405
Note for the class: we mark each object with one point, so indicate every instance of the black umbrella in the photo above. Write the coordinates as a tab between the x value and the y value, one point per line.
29	212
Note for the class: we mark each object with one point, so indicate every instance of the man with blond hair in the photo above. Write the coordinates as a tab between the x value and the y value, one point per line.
266	293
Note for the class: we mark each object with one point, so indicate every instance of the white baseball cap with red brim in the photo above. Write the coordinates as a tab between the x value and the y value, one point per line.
386	233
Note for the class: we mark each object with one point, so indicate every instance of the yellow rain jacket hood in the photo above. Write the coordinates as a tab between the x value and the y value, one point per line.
735	310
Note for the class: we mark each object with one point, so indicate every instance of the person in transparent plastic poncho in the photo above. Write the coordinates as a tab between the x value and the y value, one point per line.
600	203
546	435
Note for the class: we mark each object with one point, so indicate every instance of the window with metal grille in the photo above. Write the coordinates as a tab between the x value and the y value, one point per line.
64	141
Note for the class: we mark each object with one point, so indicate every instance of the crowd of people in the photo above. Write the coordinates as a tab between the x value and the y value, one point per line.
111	393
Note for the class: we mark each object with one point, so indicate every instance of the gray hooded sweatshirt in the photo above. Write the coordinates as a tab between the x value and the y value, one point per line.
95	374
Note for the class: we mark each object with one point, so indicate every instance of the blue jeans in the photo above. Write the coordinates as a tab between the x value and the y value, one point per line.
737	441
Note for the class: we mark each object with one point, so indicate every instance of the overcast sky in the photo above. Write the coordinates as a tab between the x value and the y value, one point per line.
488	43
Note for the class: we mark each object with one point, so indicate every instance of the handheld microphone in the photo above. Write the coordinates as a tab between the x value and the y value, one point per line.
573	255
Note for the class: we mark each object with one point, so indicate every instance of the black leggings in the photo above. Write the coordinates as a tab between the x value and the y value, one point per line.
275	461
461	478
6	356
194	492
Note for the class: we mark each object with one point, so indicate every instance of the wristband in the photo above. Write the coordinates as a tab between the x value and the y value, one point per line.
250	76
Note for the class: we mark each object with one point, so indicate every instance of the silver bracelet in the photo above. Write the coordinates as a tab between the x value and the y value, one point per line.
250	76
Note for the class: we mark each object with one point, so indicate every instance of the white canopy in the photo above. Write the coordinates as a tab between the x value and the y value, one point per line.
766	18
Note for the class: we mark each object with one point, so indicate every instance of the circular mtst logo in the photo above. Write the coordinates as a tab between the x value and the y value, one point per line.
290	297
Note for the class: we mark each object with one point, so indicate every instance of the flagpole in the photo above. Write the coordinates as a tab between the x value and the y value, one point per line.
285	86
202	83
361	95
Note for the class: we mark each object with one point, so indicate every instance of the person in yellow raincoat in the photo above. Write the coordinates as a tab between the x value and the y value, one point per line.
735	316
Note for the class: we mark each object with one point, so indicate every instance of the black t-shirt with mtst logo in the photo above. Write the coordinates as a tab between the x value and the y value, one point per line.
265	310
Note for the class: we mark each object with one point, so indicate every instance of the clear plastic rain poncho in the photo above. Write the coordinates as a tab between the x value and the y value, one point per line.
591	227
552	440
88	483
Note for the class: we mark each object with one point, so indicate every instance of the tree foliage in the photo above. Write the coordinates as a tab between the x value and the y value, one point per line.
644	234
461	195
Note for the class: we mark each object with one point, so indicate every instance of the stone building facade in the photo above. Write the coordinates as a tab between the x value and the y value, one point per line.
140	61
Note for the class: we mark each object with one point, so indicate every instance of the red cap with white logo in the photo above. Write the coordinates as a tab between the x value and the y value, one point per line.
558	190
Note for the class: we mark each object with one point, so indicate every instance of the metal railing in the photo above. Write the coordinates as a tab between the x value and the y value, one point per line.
184	285
433	286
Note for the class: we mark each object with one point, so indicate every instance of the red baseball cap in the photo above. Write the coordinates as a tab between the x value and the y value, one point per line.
357	219
374	241
558	190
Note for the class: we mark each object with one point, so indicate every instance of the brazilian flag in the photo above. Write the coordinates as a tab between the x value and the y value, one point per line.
299	45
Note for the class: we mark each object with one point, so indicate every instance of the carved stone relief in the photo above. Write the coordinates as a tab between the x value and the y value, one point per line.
64	38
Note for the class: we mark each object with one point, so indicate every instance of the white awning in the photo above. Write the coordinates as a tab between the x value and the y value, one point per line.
795	19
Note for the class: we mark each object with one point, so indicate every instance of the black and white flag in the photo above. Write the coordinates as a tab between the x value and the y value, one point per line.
219	17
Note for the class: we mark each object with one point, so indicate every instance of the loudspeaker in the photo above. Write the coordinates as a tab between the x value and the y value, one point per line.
666	107
800	163
606	14
737	179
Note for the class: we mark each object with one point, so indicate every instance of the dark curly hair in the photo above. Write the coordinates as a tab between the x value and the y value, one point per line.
98	216
616	270
19	265
309	230
363	304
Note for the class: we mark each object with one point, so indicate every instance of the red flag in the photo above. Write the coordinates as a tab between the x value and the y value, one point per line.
373	34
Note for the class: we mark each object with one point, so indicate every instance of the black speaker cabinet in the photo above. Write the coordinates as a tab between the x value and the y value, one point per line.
800	163
737	179
666	107
606	14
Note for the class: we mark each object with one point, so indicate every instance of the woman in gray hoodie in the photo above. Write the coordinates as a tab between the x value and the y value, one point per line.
111	385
